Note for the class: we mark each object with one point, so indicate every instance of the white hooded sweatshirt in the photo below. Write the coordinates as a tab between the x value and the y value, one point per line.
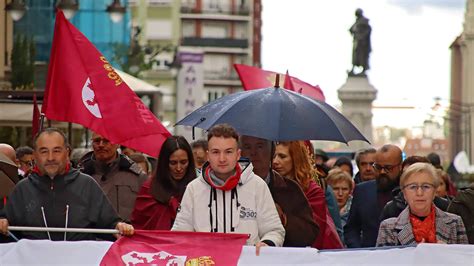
246	209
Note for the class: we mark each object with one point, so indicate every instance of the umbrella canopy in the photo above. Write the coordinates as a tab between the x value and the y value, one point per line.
275	114
8	175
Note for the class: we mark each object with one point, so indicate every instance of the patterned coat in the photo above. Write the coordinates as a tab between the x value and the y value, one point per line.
398	231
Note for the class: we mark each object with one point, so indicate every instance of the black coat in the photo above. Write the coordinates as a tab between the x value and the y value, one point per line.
301	229
362	226
88	206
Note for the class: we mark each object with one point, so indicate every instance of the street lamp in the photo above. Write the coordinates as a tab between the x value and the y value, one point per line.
16	8
116	11
69	7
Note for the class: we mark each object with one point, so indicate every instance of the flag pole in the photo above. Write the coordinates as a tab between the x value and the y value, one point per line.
41	122
60	229
69	133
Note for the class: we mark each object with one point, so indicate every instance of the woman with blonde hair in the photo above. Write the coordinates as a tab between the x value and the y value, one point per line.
421	221
342	184
292	160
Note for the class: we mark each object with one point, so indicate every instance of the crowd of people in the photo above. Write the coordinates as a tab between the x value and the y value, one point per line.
279	193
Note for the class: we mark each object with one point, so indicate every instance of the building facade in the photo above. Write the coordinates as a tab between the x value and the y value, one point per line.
461	104
227	32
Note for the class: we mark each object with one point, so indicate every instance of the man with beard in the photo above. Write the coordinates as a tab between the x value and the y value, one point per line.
371	196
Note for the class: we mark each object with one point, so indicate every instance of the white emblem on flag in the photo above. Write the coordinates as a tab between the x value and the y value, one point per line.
88	98
160	258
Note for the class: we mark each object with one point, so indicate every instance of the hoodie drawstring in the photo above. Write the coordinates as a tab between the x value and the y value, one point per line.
67	216
45	224
213	197
210	208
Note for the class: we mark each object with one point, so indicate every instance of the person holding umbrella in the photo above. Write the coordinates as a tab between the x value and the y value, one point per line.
159	197
292	160
228	197
295	213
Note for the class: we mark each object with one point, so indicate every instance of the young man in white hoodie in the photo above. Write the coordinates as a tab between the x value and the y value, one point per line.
228	197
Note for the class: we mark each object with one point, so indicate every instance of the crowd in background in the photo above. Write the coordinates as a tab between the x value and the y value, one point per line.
281	193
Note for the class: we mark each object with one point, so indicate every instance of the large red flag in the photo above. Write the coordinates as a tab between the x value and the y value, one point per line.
175	248
256	78
35	120
83	88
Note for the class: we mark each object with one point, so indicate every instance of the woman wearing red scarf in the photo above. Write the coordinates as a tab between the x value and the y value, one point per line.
160	196
421	221
292	160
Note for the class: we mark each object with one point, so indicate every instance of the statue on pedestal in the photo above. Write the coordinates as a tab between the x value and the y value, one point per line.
361	46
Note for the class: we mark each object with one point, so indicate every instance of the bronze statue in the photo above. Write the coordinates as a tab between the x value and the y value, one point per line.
361	46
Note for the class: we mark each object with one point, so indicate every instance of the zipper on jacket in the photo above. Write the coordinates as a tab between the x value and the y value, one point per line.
223	201
52	184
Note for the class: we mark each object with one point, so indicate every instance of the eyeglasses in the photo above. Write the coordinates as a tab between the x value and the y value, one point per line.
387	168
414	187
99	140
27	163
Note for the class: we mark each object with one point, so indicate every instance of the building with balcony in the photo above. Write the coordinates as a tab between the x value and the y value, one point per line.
226	31
229	32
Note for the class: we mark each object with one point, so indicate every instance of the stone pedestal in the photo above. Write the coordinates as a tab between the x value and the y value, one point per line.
357	95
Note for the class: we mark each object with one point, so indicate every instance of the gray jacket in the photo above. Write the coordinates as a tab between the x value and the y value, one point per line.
398	231
120	180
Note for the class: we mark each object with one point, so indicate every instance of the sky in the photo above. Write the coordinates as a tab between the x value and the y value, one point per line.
410	59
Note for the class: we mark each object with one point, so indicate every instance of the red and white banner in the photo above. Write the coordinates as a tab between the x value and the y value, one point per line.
83	88
175	248
45	252
256	78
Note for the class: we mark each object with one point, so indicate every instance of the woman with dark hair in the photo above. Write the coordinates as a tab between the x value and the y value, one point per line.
160	196
345	165
292	160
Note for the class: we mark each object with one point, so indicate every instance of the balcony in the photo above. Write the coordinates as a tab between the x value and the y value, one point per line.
241	10
215	42
217	12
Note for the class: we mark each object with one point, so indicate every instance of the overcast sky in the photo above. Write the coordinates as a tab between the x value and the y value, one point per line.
410	61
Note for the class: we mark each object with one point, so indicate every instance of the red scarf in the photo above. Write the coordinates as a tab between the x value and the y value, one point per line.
229	184
424	229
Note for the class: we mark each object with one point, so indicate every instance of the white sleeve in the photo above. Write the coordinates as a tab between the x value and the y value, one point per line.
184	217
269	223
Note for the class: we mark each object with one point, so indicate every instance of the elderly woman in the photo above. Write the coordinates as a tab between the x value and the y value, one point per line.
421	221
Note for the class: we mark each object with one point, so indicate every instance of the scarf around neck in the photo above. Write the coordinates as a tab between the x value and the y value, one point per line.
229	184
424	229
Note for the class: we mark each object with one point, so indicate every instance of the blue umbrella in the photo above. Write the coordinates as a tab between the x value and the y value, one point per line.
275	114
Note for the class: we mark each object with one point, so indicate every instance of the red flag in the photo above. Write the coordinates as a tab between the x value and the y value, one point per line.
175	248
36	116
256	78
288	82
83	88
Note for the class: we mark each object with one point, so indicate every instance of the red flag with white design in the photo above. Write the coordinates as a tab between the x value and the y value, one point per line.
83	88
256	78
175	248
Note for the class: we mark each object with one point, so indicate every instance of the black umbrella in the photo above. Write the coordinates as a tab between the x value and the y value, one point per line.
275	114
